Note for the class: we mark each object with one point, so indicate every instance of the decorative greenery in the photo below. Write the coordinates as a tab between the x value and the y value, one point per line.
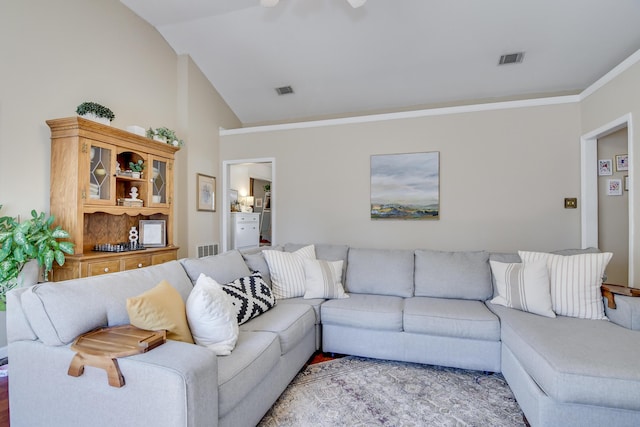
22	242
267	188
165	134
95	108
137	166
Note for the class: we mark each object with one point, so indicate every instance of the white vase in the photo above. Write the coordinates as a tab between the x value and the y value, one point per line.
93	117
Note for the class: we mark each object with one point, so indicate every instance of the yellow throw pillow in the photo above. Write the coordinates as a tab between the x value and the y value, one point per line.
160	308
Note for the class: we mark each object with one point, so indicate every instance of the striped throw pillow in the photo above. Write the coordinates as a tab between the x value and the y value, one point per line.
575	282
524	287
287	271
323	279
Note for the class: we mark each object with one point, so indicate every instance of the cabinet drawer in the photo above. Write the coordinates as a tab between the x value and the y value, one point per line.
246	219
164	257
102	267
136	262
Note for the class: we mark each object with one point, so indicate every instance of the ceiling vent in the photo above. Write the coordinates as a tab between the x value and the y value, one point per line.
284	90
511	58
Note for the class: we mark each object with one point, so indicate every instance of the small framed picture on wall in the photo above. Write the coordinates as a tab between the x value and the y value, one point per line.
605	167
614	187
626	183
622	162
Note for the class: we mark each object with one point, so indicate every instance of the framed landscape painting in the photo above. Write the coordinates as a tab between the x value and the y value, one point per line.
405	186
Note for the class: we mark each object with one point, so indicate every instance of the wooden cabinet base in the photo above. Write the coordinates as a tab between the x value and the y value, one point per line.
97	263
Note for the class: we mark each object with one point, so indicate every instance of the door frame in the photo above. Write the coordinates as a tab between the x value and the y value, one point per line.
589	184
226	211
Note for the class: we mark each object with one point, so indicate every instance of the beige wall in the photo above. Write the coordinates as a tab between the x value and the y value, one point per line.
503	177
619	97
613	211
56	55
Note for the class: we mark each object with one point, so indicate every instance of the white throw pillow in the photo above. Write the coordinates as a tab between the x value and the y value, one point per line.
323	279
287	271
575	282
212	317
524	287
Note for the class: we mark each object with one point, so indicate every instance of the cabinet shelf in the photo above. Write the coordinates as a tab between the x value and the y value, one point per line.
86	187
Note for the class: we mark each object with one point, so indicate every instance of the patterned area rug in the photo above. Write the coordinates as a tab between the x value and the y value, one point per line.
355	391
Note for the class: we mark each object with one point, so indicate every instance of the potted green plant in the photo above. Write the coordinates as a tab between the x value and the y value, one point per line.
96	112
136	168
34	239
165	135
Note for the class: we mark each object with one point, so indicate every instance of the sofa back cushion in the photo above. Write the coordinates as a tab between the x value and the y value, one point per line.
380	272
463	275
59	312
223	268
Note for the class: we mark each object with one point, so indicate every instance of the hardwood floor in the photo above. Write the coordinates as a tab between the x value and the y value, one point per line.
4	401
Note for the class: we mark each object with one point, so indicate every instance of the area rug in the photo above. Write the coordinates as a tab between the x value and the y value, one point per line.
355	391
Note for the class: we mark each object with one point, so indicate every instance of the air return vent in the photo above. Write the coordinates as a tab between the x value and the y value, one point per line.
284	90
206	250
511	58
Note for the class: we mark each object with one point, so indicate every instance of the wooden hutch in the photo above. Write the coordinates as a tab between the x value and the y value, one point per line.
89	185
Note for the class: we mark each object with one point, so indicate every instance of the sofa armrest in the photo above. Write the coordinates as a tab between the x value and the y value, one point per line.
626	313
175	384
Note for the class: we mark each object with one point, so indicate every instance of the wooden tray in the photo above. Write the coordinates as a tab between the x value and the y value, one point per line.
100	348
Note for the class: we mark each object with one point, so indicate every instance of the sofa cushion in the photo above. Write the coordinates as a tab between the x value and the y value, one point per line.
59	312
323	279
575	282
314	303
250	296
450	317
160	308
291	322
223	268
524	287
380	272
256	262
325	252
379	312
212	317
287	271
463	275
591	362
240	372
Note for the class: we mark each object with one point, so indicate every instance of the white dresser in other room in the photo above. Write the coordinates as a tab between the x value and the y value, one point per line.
245	230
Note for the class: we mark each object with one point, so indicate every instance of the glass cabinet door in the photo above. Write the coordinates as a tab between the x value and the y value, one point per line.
100	174
160	180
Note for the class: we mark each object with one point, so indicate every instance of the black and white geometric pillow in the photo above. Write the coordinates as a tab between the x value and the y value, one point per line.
250	296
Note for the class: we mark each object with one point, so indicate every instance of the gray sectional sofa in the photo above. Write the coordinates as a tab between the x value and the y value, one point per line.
418	306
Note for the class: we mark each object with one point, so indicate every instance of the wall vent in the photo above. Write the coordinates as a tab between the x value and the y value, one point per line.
207	250
284	90
511	58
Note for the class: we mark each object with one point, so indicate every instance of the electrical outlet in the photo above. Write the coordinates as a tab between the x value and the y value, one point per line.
570	203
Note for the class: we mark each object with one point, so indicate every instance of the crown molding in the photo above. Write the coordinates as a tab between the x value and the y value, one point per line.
492	106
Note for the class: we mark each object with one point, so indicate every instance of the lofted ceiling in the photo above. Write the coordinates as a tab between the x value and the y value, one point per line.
391	55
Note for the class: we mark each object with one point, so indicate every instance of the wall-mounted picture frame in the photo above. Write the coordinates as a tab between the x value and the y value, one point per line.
206	199
626	183
405	186
153	233
614	187
605	167
258	203
622	162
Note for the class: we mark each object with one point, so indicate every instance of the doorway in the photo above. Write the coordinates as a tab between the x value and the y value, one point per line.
590	180
238	177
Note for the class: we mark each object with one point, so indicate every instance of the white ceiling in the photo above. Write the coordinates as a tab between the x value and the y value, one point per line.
392	54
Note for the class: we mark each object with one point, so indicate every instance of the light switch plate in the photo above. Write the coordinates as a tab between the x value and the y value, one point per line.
570	203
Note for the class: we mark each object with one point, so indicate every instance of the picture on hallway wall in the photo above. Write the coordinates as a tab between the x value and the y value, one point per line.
622	162
604	167
614	187
405	186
